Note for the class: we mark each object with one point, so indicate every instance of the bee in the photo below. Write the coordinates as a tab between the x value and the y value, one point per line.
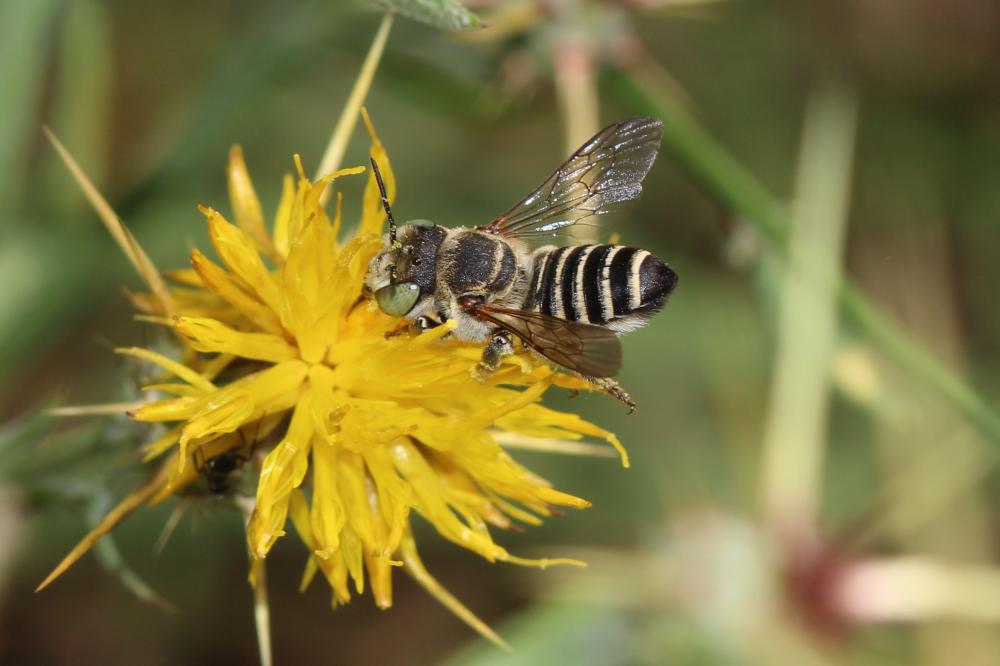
568	303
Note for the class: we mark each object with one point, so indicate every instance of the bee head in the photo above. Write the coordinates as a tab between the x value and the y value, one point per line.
401	276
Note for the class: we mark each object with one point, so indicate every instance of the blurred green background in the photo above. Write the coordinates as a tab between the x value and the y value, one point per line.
776	452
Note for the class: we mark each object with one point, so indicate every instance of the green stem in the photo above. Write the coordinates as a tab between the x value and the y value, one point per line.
910	355
727	180
795	432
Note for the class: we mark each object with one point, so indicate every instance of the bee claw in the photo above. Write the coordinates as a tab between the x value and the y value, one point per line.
480	373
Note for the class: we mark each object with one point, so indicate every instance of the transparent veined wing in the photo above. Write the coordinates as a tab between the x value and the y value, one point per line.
604	172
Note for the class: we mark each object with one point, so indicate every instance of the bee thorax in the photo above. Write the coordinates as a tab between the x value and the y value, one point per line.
478	263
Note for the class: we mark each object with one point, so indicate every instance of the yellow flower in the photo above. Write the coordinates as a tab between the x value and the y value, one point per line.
371	423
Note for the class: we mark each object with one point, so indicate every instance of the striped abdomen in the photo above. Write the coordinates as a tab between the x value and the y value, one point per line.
599	284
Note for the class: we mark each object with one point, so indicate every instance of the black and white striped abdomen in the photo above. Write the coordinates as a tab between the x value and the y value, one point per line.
610	285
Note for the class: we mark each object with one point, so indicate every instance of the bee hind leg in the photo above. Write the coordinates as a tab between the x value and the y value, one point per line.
615	390
500	346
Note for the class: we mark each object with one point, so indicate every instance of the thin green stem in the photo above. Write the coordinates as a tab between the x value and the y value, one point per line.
337	146
795	432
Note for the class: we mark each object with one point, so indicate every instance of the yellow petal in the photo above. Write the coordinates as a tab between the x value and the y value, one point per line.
282	219
184	276
174	389
372	213
224	413
542	422
283	470
181	371
173	409
126	241
246	205
432	501
90	410
208	335
514	440
212	368
546	562
162	444
220	282
298	510
239	255
328	517
415	567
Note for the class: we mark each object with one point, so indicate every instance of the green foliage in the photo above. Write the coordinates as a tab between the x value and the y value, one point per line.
24	35
444	14
581	634
705	159
72	470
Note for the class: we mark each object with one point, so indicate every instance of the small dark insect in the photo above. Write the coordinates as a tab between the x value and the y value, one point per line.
568	304
218	470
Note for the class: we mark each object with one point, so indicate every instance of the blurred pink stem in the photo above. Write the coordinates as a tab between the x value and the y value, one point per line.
918	589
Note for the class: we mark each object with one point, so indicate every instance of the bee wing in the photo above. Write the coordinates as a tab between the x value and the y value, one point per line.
592	351
604	172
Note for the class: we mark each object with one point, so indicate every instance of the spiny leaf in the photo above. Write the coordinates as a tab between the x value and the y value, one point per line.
111	559
444	14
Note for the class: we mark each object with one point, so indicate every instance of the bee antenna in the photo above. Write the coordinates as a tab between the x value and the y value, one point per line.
385	201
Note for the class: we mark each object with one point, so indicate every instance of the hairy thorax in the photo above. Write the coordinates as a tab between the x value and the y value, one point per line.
480	265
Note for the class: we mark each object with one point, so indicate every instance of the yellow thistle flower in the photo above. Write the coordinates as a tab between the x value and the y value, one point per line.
372	423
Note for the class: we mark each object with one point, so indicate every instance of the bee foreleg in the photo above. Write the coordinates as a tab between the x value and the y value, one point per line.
399	330
614	389
425	323
418	325
429	321
501	345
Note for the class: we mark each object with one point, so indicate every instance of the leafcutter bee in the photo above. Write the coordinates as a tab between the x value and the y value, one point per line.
569	303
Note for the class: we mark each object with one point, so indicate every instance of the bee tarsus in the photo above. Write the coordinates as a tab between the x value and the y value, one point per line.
614	389
501	345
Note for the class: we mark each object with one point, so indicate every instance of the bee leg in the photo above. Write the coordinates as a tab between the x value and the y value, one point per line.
614	389
425	323
500	346
418	325
402	329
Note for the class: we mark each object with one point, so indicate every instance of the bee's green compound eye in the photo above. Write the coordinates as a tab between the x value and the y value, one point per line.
397	299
